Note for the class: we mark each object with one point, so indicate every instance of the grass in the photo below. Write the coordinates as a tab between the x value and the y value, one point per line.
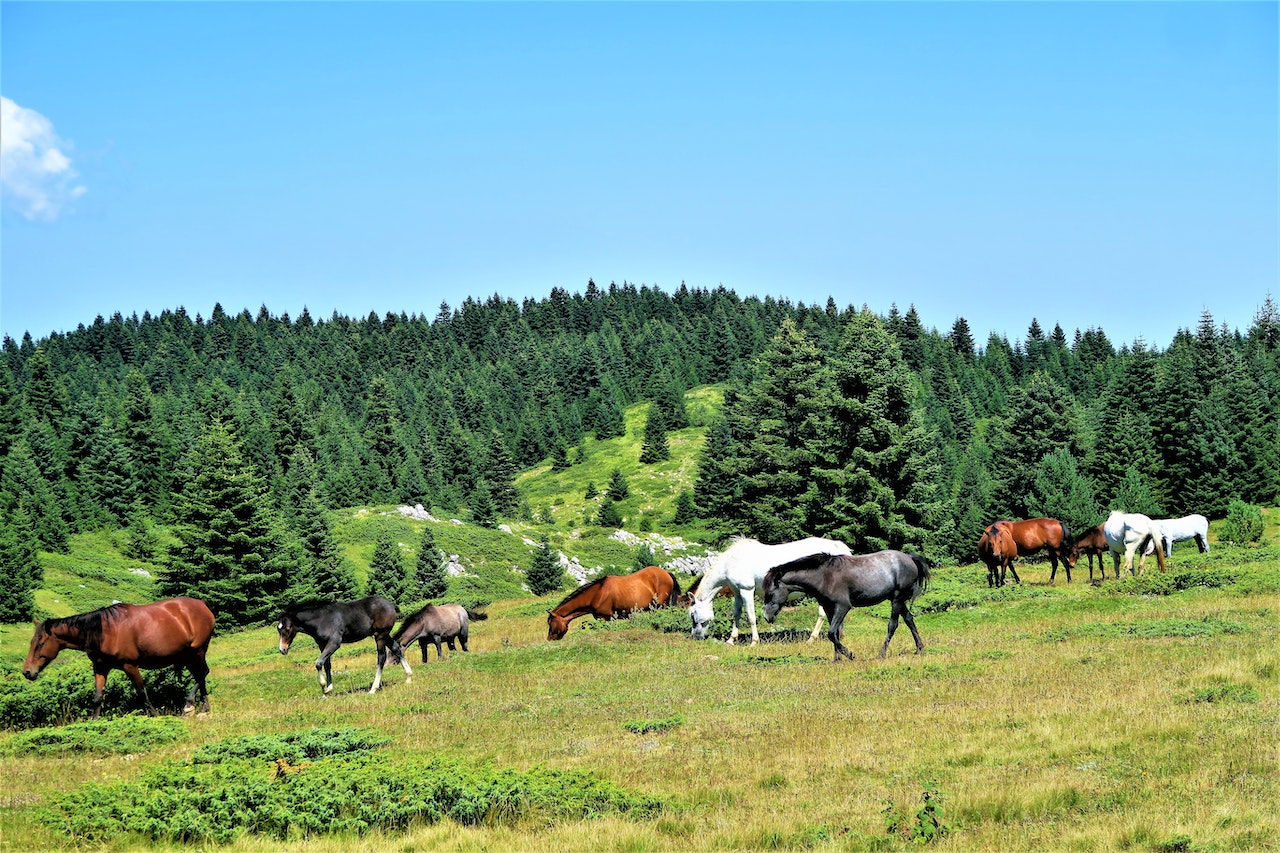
1042	719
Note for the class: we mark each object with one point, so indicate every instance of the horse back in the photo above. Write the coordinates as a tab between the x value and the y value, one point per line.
155	634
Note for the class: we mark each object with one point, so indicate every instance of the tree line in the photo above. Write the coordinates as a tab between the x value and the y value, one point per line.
239	432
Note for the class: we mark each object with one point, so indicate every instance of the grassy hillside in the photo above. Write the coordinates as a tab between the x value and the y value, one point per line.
1133	715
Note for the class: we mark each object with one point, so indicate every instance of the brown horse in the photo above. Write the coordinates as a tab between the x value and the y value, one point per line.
1092	543
997	550
614	596
442	623
1037	534
130	637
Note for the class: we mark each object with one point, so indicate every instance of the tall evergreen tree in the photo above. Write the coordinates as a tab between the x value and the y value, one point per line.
1060	490
326	573
231	549
483	512
655	447
20	569
388	573
1039	420
545	574
877	484
429	568
618	489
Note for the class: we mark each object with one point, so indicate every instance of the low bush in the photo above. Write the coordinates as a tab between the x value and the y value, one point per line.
65	694
123	736
247	786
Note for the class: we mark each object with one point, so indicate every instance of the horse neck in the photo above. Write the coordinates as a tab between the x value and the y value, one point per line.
579	605
68	635
712	582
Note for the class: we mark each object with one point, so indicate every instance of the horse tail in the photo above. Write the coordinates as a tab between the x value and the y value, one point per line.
923	573
675	590
1066	532
476	615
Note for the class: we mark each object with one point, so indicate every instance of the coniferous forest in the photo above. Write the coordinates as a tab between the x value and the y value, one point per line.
238	433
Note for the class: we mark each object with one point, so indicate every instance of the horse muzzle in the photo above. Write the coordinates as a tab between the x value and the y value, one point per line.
30	674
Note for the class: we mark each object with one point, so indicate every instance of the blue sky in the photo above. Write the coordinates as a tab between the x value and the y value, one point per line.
1107	165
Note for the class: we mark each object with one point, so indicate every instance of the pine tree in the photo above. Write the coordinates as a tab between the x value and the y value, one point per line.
388	575
618	489
20	568
545	574
1038	420
483	511
686	512
716	491
326	572
644	557
23	489
430	574
608	516
1059	490
655	448
231	550
1135	494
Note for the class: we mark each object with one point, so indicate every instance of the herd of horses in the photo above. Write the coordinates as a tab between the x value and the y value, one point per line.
1123	533
176	632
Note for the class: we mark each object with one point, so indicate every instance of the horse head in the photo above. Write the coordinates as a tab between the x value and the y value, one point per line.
702	615
44	648
557	626
288	629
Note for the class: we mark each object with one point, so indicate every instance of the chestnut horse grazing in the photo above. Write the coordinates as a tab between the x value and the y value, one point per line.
842	583
1091	543
614	596
437	623
1036	534
130	637
333	624
997	549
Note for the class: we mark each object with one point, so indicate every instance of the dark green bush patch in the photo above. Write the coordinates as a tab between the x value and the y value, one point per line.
247	786
64	693
643	727
120	736
1224	692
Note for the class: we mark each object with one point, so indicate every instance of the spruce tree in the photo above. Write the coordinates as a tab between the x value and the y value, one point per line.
429	568
483	512
231	549
1038	420
655	448
618	489
1059	490
717	491
326	572
388	574
20	568
686	512
545	574
608	516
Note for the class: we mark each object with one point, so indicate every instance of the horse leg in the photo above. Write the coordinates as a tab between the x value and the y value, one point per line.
382	660
199	671
1128	559
462	638
835	630
817	626
911	623
1202	542
1013	572
893	626
749	602
99	685
139	686
737	616
324	670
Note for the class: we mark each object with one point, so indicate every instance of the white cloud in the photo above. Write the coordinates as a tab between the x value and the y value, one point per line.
36	176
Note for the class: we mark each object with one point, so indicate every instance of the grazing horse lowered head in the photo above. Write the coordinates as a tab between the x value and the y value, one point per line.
742	567
437	623
614	597
130	637
1127	532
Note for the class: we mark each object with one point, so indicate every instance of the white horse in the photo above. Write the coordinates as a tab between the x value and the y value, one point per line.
1177	529
1127	532
742	567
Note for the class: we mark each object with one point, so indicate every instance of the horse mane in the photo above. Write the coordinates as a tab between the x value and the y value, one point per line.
86	626
812	561
301	606
588	585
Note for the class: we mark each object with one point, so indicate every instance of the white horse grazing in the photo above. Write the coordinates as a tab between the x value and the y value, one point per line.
1177	529
743	566
1127	532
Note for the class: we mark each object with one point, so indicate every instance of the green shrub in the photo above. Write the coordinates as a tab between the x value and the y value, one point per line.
328	782
65	693
1243	524
643	727
121	736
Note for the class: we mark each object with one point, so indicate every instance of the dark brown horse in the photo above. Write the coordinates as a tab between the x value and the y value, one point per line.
997	550
1092	543
614	596
130	637
1036	534
841	583
437	623
332	624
